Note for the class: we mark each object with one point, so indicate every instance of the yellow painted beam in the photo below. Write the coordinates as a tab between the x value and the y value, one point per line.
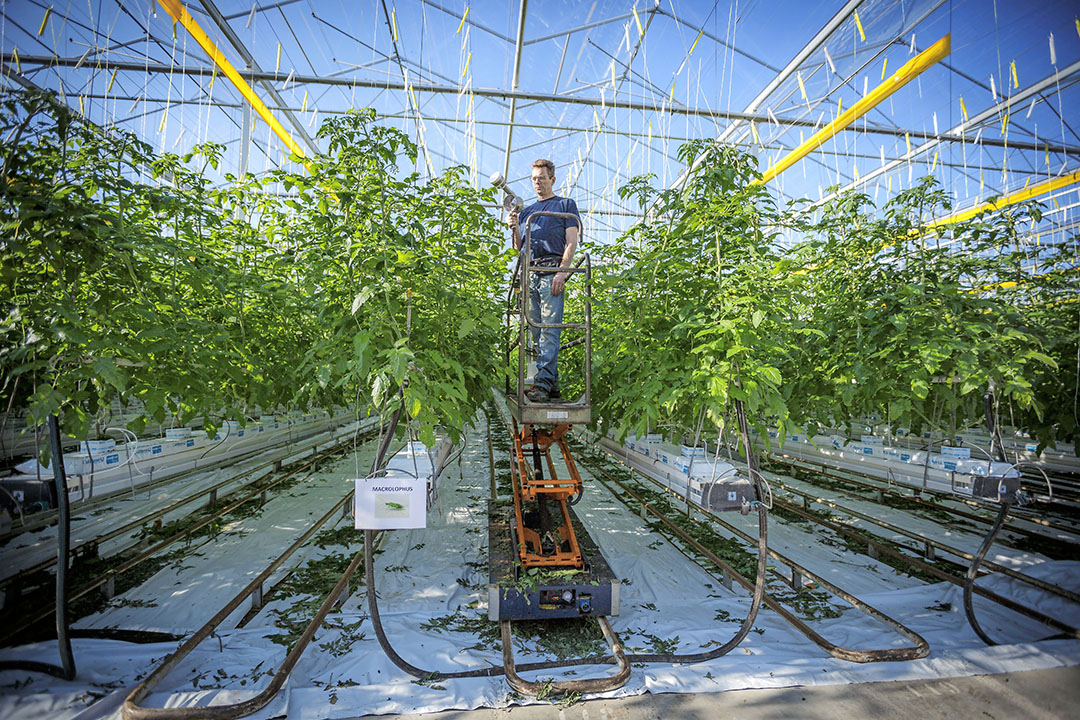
179	14
1027	193
1010	284
911	69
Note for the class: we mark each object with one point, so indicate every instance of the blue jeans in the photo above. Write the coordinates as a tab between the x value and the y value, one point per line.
546	309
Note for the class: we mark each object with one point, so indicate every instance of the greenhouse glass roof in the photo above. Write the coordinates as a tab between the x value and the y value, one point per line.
606	89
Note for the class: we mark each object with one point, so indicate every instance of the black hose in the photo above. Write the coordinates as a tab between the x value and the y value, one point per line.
759	581
64	544
969	579
998	448
494	671
63	535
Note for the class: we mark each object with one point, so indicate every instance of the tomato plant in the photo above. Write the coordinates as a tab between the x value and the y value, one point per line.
129	276
693	304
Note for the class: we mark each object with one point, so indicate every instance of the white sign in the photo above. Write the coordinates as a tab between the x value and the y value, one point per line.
391	502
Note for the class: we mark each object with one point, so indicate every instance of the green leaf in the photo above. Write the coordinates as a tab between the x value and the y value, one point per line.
771	374
361	297
1044	359
106	370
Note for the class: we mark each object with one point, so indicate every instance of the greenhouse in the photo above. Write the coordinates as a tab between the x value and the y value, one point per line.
595	358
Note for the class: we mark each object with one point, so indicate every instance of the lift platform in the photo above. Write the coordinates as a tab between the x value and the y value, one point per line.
542	562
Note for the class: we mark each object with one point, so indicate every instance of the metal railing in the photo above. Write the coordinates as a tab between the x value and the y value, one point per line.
519	285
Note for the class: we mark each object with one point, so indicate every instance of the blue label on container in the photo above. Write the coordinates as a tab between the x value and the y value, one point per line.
868	451
905	457
950	465
240	433
190	442
155	450
112	459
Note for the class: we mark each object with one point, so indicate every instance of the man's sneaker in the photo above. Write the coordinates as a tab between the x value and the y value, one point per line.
538	395
554	394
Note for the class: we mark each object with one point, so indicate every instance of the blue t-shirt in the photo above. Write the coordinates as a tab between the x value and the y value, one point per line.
548	233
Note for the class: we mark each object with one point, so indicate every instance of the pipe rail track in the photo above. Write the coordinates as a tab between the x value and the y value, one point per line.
142	520
876	544
824	469
889	490
112	573
48	517
153	515
131	710
809	497
919	649
881	547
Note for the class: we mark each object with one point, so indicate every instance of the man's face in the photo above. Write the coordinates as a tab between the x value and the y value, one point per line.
542	182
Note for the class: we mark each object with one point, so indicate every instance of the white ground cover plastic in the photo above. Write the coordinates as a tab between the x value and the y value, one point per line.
437	576
30	548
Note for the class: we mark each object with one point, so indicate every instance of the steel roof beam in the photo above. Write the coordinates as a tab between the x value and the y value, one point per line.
45	60
261	8
517	74
579	28
718	41
241	49
467	21
963	127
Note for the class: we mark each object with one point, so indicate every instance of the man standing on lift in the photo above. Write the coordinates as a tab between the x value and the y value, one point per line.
554	242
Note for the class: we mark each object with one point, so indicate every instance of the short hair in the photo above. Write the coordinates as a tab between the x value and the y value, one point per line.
547	165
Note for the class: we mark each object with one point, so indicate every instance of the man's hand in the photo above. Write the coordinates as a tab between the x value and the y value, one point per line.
512	220
558	283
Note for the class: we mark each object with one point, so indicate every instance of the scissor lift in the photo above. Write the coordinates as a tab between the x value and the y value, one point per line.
539	531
